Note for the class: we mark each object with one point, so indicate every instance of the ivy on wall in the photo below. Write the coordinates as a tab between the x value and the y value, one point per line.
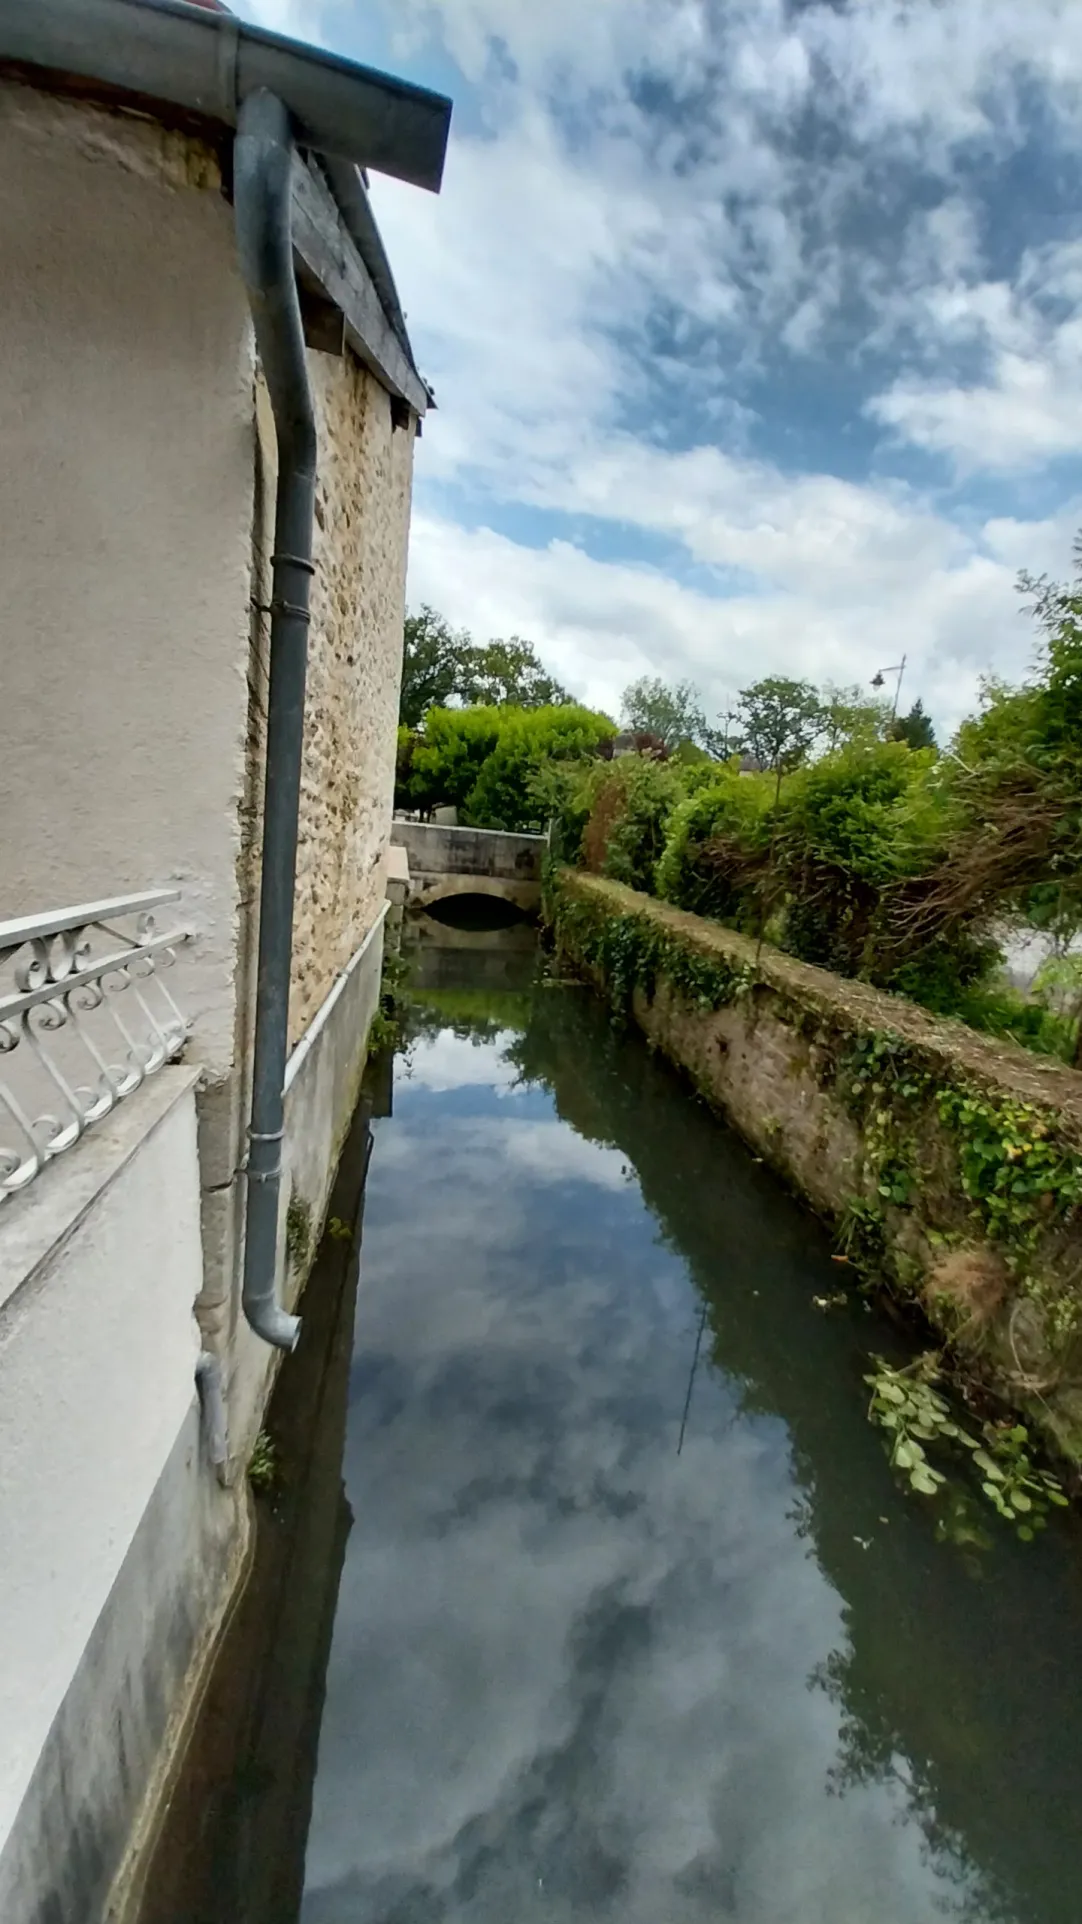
946	1164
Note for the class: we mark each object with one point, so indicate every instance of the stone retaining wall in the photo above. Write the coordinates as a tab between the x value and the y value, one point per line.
951	1164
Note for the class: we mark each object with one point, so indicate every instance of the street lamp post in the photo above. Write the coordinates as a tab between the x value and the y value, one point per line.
877	682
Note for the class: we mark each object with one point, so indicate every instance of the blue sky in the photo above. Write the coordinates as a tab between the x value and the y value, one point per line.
754	325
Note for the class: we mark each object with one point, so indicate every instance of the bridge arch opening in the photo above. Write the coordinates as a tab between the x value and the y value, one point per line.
479	912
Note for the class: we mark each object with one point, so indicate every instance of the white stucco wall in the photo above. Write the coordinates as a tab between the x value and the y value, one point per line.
130	757
97	1354
125	527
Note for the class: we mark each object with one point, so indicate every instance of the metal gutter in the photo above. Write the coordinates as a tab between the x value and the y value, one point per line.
207	63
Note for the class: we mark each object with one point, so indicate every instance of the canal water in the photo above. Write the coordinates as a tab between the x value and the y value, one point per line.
587	1593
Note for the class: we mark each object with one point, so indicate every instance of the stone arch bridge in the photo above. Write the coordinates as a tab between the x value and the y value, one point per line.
444	862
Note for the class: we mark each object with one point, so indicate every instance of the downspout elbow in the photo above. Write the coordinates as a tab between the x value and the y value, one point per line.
263	167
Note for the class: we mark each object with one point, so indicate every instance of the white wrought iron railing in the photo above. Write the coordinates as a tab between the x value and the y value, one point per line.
85	1018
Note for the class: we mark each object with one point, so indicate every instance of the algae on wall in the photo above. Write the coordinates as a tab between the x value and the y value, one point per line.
951	1164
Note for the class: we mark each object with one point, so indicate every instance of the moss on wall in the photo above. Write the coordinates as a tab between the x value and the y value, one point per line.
950	1164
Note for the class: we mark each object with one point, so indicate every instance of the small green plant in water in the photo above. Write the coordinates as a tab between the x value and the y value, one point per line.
905	1404
1014	1485
395	974
382	1032
959	1523
860	1233
340	1230
263	1465
914	1413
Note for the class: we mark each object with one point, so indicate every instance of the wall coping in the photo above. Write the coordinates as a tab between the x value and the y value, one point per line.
1004	1065
323	1013
463	828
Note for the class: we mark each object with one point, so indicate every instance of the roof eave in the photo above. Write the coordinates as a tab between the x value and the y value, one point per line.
203	63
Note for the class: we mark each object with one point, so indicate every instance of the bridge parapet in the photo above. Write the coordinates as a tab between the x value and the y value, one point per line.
446	861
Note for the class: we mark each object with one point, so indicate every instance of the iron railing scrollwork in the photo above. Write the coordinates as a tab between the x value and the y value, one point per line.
85	1018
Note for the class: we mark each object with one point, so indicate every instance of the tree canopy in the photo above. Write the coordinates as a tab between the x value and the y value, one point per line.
781	719
849	715
508	674
492	762
672	712
442	665
432	664
915	728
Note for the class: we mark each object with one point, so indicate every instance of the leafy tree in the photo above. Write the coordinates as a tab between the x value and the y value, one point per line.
501	674
728	739
672	712
441	665
781	719
915	728
450	755
487	761
850	716
717	839
403	767
510	788
629	817
432	665
846	833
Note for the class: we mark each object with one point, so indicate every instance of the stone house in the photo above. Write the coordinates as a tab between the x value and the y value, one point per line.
209	407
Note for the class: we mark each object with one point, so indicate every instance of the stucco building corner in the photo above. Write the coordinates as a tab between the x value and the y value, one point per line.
152	617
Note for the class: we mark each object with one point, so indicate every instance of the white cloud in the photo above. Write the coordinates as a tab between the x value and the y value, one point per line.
628	223
550	1152
599	624
1027	409
1028	414
450	1061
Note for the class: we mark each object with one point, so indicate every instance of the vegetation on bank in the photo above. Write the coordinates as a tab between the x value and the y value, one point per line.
893	865
812	818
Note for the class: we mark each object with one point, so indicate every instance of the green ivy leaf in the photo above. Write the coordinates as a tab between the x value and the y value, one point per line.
926	1480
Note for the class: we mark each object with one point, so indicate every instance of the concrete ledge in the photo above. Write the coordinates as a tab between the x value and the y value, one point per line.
114	1535
434	849
111	1734
310	1039
323	1082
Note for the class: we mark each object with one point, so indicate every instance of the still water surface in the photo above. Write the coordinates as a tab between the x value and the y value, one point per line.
632	1623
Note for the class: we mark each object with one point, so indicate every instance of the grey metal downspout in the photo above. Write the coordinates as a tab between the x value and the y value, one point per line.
262	199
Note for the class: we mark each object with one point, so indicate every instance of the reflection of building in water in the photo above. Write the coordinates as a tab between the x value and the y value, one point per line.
233	1848
444	957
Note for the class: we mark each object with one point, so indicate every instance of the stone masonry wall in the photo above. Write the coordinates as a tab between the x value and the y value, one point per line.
950	1163
354	673
347	776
